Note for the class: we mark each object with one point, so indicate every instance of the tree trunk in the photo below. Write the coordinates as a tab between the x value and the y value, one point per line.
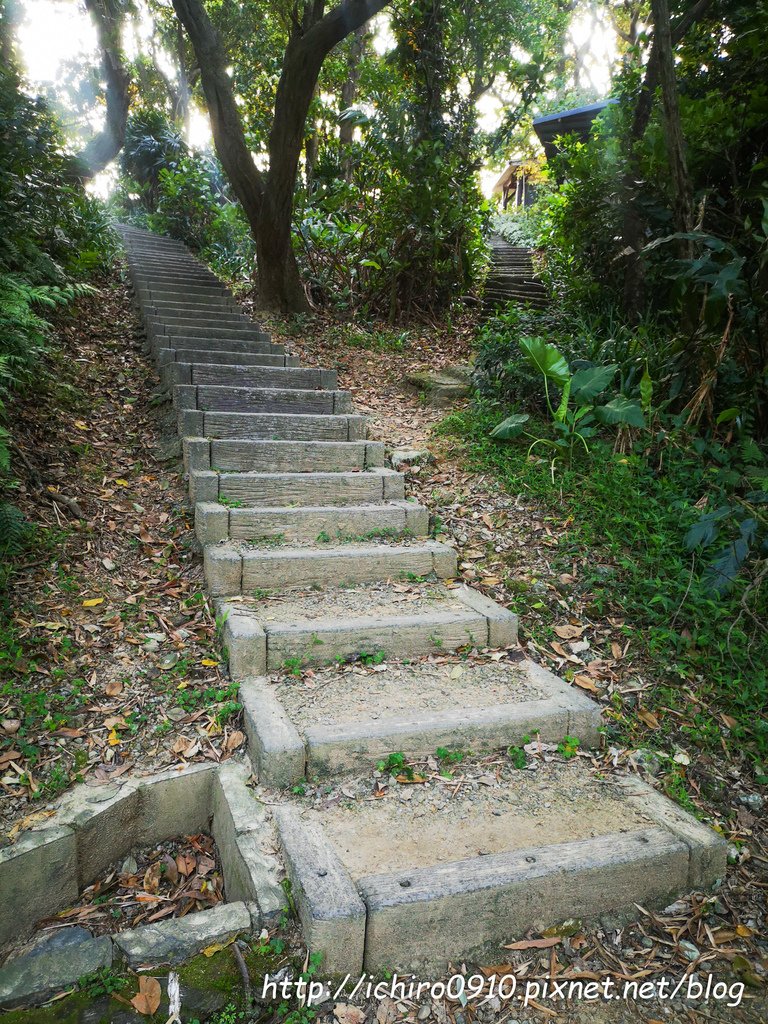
348	96
104	147
682	190
268	199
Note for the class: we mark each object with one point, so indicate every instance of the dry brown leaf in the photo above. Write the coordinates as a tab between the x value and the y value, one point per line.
147	999
346	1013
555	940
585	683
185	864
234	740
152	877
648	718
569	632
113	688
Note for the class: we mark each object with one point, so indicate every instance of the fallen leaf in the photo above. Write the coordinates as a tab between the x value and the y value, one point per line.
114	738
152	877
147	999
554	940
92	602
585	683
234	740
217	947
10	726
569	632
209	663
648	718
346	1013
113	688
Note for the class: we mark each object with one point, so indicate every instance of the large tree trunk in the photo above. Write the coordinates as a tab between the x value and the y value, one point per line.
104	147
268	199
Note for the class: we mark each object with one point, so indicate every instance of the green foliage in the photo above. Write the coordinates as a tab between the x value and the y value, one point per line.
101	983
51	236
576	417
169	189
517	756
628	517
704	290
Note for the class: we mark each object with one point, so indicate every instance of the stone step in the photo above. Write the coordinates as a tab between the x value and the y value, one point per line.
232	569
168	266
216	398
239	375
145	294
232	324
355	715
184	342
271	426
235	333
281	456
295	489
206	317
410	886
164	271
291	525
146	290
196	356
214	307
386	619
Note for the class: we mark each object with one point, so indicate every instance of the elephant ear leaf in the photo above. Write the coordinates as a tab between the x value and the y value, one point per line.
511	427
621	410
547	359
590	382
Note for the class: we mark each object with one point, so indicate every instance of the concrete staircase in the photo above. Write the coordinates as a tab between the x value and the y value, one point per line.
321	568
512	277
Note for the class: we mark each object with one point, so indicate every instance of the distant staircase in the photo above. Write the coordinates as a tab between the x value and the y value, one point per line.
512	277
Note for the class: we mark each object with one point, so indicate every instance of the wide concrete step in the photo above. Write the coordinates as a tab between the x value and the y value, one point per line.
145	290
145	294
242	331
383	619
296	489
356	714
271	426
193	341
239	375
475	862
202	318
310	524
229	455
168	267
225	398
195	356
232	569
192	308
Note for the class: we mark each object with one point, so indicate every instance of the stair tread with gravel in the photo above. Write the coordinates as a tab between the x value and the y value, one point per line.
234	569
433	879
215	522
281	456
255	488
357	713
399	619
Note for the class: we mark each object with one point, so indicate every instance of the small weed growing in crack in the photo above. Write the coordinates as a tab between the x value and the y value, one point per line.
568	747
